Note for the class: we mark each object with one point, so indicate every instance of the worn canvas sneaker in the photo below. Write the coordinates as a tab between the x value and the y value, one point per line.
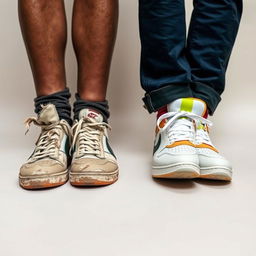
175	154
212	164
48	164
94	162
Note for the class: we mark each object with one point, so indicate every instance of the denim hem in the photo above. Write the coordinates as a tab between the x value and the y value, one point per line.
158	98
207	94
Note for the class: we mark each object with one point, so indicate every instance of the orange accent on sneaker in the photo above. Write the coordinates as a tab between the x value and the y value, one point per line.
161	125
180	143
203	145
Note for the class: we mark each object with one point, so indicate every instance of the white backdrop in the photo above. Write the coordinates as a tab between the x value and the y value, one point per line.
136	216
124	92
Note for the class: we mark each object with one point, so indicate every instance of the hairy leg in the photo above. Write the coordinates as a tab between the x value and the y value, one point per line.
44	29
94	32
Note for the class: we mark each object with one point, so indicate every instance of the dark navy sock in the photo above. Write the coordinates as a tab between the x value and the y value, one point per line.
61	102
100	106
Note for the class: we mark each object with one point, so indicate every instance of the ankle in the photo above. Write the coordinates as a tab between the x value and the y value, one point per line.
99	106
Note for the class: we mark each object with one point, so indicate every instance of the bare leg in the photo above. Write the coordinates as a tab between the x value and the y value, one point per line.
44	29
94	33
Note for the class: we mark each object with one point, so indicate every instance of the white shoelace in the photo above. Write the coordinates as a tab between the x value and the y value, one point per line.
179	128
48	143
202	137
88	134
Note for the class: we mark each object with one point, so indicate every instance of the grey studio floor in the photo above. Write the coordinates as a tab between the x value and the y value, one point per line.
138	215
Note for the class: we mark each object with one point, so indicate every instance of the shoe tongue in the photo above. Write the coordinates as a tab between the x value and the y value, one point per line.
48	114
192	105
91	114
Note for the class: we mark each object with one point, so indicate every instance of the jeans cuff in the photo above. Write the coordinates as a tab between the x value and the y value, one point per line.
207	94
158	98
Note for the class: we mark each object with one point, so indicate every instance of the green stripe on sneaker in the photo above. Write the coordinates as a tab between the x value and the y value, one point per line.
186	105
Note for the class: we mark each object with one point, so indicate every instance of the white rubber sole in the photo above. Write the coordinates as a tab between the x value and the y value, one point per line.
216	173
177	171
93	179
46	181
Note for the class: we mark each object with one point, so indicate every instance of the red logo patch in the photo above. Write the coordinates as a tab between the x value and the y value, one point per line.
92	115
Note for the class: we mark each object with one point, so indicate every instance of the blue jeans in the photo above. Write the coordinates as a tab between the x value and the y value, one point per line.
174	65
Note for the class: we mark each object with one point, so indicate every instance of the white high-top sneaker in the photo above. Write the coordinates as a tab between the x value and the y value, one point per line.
48	164
94	162
212	164
175	152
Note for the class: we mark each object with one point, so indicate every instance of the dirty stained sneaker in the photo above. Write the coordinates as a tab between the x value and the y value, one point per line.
93	162
212	165
175	153
48	165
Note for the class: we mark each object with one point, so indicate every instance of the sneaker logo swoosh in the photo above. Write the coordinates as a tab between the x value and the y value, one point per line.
156	146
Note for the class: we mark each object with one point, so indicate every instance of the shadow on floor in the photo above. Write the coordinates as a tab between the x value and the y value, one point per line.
213	183
175	183
188	185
